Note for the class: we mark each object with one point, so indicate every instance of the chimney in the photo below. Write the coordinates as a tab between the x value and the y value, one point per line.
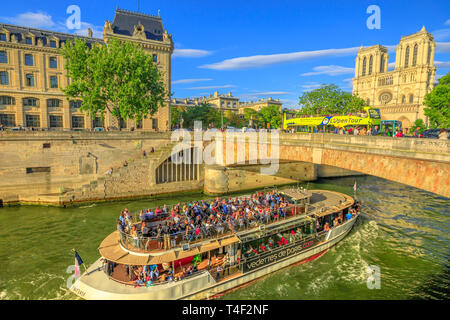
216	94
89	32
229	94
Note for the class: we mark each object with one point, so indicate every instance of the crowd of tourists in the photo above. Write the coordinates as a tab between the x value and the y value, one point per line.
200	219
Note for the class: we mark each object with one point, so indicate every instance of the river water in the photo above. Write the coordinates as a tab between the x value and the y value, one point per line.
403	232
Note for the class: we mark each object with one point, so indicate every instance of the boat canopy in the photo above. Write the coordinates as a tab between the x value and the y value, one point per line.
111	250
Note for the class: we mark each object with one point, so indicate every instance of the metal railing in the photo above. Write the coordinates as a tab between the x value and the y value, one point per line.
166	241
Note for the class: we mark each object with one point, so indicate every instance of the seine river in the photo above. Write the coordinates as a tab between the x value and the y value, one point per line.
403	231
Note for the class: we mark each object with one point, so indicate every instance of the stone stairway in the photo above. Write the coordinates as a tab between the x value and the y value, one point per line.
133	179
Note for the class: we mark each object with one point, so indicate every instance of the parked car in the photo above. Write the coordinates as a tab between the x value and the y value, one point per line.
433	133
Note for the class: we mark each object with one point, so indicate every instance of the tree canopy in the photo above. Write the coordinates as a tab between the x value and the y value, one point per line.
203	112
329	99
119	77
271	114
437	104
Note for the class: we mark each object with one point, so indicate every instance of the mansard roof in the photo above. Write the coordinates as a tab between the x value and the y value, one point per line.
125	21
45	35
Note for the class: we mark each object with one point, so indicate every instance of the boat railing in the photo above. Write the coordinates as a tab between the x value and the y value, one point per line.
141	243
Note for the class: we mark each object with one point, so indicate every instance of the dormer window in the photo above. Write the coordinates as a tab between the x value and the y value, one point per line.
28	40
53	43
2	36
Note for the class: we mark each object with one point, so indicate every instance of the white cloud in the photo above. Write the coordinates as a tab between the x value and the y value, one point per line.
441	34
189	81
311	86
191	53
213	87
267	93
42	20
447	23
265	60
391	66
442	47
97	31
442	64
331	70
32	19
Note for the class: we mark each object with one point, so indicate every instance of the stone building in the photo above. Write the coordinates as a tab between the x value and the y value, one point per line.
220	101
259	104
398	93
32	73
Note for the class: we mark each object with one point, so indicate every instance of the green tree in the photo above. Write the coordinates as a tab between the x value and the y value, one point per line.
204	113
176	114
232	119
119	77
437	104
419	123
271	114
251	114
329	99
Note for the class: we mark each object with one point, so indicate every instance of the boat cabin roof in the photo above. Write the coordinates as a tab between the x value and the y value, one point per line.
297	194
112	250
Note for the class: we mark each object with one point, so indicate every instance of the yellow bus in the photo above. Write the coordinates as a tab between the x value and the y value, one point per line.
371	117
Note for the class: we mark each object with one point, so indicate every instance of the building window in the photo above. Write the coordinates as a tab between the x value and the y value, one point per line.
32	121
77	122
3	57
53	103
370	64
414	56
382	63
155	57
53	43
75	103
364	67
407	57
30	102
8	120
56	121
154	123
28	40
2	36
411	98
28	59
37	169
4	78
53	63
53	82
403	99
7	101
138	124
429	54
29	80
98	122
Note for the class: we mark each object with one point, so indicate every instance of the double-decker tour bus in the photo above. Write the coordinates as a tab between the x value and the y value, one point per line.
371	117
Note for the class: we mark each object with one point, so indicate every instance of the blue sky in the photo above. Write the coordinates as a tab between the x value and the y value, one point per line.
256	48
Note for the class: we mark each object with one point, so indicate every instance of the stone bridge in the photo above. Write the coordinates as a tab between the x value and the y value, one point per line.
67	167
421	163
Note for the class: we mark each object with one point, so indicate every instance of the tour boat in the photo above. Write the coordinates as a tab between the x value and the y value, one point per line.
312	221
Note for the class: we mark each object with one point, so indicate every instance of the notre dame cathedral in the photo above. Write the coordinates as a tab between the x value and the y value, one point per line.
398	93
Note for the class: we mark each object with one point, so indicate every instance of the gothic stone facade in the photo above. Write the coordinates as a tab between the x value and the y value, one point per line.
399	93
32	73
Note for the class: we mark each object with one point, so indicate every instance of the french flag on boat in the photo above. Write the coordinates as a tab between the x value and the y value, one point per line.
78	263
